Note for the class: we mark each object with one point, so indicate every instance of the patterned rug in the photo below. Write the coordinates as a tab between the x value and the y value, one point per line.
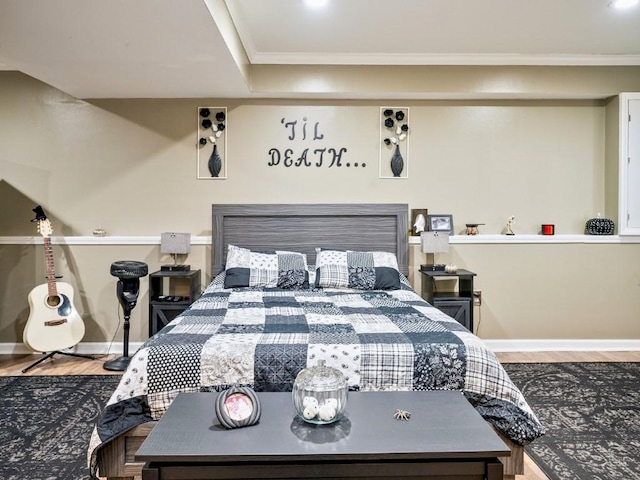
46	423
592	415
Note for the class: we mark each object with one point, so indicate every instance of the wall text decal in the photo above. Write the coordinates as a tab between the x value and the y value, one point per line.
301	134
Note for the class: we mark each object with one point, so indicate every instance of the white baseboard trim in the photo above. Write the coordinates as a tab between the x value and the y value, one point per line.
563	345
87	348
497	345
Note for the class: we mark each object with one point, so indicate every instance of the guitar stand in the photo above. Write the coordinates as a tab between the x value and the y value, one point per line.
51	354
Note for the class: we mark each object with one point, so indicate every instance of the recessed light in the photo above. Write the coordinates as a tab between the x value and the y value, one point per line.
316	3
622	4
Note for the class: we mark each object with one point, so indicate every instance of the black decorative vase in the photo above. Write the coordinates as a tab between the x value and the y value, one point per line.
215	162
397	162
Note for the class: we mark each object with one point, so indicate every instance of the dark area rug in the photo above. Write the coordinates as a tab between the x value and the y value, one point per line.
46	423
592	415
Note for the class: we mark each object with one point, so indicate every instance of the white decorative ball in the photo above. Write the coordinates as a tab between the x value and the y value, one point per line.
308	401
332	402
327	413
310	412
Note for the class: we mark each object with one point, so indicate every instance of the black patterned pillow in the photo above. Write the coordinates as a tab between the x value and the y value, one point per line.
357	270
292	270
277	269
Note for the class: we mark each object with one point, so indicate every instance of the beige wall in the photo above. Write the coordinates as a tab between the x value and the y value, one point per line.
555	291
129	166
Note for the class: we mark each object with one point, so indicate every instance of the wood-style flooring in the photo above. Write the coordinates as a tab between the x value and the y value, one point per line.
64	365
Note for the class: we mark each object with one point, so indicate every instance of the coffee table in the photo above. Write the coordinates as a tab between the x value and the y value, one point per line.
444	438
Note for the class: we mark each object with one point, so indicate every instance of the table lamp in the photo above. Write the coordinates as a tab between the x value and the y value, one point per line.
432	243
175	244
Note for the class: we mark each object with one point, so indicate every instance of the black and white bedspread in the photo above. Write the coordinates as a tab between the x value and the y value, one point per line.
262	338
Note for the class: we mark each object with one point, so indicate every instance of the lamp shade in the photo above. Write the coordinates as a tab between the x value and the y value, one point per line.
175	243
434	242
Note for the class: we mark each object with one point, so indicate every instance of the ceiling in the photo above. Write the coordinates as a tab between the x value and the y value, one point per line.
226	48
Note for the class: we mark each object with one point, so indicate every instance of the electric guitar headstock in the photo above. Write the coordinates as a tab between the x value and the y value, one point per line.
43	224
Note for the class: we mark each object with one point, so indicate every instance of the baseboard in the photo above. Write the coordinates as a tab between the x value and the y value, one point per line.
563	345
89	348
497	345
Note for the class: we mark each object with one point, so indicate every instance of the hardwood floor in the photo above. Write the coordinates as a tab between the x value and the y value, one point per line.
550	357
11	365
58	365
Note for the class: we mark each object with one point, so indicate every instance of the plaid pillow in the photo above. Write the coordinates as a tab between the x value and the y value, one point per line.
277	269
357	270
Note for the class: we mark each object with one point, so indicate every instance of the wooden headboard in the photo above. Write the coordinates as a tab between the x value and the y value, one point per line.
303	227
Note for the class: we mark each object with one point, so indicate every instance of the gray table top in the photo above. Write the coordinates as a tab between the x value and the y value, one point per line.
443	425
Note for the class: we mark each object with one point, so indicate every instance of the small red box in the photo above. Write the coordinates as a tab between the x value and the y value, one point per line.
548	229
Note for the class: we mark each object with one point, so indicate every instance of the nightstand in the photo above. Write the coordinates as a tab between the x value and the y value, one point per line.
458	305
170	293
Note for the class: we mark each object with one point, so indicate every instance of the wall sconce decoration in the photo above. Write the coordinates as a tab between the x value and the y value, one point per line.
394	142
175	244
212	144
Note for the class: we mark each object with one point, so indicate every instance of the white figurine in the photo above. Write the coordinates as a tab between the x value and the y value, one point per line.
510	223
421	222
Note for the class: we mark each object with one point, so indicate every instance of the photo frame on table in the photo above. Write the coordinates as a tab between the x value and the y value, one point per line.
440	223
238	407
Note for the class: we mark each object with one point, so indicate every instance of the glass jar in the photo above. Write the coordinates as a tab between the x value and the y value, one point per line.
320	394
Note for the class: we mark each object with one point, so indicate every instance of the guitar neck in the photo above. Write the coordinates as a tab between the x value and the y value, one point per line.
51	272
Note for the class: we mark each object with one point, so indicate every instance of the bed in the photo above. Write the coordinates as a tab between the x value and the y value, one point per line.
339	293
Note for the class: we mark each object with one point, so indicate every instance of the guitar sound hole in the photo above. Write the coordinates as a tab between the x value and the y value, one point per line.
53	301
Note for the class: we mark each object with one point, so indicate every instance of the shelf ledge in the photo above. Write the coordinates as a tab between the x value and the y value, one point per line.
528	239
413	240
91	240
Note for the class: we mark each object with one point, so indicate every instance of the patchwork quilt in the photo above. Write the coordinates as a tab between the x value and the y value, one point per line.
262	337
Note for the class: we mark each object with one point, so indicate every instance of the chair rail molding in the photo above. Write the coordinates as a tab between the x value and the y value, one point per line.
91	240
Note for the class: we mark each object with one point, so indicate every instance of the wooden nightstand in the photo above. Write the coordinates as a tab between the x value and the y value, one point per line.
458	305
170	293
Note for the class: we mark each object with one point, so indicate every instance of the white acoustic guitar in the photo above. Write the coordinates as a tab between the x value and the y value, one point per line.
53	322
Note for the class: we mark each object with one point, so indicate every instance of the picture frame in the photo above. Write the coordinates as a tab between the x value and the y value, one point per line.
238	407
440	223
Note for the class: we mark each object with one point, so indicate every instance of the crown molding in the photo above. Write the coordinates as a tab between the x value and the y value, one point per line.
464	59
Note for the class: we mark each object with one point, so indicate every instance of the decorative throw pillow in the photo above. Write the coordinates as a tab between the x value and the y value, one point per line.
249	268
357	270
292	270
